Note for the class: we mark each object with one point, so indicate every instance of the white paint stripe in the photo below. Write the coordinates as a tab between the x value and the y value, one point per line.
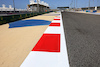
56	22
53	29
42	59
56	18
64	54
49	59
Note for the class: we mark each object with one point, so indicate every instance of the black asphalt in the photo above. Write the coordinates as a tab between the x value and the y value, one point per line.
82	33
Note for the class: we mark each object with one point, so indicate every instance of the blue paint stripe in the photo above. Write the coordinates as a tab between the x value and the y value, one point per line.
25	23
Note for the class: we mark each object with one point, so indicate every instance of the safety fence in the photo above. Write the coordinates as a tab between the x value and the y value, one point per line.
12	18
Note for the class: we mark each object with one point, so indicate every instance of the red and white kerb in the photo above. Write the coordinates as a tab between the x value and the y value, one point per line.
50	51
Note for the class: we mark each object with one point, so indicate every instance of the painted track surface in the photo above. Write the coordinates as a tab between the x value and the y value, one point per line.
83	39
50	50
26	23
16	43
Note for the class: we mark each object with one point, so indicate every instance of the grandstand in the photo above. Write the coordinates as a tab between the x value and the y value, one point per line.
43	6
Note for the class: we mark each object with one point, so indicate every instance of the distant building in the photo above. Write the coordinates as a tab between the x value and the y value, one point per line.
10	8
43	6
91	8
62	8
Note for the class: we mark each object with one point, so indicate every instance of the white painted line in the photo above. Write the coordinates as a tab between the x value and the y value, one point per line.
64	53
57	18
42	59
56	21
54	30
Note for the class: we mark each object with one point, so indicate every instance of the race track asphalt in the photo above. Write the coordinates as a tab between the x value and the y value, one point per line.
82	33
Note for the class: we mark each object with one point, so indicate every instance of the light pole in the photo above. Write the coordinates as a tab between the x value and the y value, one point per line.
37	5
93	4
14	5
98	3
76	3
89	5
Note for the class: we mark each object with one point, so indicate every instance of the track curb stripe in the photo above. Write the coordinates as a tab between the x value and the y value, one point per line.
54	24
50	50
48	43
56	19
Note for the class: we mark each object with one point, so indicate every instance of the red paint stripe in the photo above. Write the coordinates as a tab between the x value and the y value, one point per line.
48	43
56	19
54	24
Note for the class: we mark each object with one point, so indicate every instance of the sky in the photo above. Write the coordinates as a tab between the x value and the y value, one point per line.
22	4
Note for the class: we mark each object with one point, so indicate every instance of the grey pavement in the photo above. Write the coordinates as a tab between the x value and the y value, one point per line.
82	33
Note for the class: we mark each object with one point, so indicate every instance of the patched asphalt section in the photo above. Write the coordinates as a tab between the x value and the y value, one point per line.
82	33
